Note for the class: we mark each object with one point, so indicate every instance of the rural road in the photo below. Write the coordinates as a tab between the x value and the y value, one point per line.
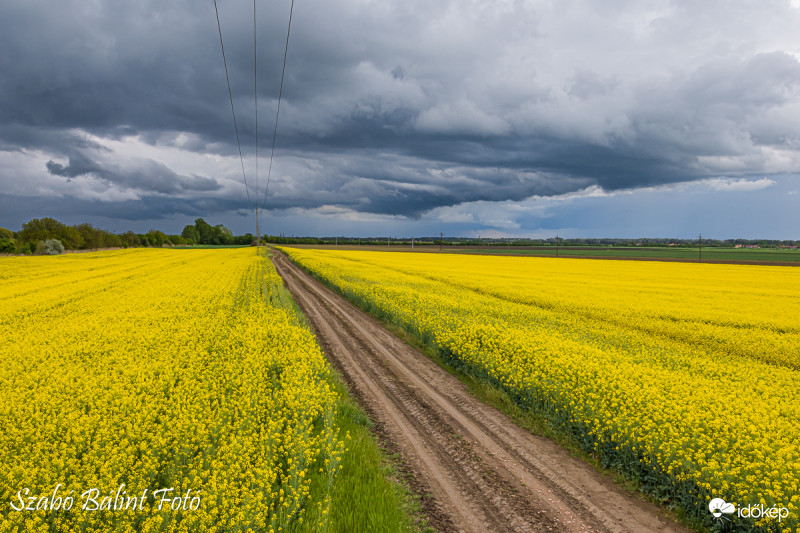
474	468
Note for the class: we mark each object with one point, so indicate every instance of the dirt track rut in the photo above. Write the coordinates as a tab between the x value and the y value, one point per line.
474	468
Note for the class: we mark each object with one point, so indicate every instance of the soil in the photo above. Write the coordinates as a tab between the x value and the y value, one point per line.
473	468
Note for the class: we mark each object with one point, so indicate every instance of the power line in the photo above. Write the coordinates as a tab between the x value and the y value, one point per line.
255	99
280	94
230	95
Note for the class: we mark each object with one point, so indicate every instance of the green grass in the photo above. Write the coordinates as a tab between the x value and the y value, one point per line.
368	494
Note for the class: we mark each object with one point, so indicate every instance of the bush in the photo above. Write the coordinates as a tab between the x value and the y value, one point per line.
8	246
49	247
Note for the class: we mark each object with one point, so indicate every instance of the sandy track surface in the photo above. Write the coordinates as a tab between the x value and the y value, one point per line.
475	469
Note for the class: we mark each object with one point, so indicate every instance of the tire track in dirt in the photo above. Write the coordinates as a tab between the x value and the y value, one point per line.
484	472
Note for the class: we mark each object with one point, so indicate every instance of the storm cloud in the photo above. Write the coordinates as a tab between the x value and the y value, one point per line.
394	109
146	175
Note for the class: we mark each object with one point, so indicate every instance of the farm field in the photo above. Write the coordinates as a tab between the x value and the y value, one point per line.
681	376
783	256
479	469
180	379
686	254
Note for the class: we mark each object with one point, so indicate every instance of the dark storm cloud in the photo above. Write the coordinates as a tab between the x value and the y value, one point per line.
14	137
403	107
78	165
378	182
19	209
145	175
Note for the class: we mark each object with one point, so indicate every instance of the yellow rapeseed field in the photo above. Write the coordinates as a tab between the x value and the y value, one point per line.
139	379
683	376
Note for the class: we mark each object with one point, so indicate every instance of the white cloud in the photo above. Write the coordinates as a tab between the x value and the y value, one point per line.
729	184
343	213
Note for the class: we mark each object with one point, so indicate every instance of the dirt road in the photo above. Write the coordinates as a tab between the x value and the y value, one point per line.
476	470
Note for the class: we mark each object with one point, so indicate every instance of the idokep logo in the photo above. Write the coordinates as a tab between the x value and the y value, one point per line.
720	507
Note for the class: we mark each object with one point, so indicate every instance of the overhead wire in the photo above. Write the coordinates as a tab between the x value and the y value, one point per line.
255	100
278	112
230	96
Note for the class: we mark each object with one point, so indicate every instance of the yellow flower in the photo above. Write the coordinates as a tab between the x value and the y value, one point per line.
184	369
694	366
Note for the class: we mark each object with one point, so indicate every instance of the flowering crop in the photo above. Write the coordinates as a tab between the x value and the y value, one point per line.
684	376
131	372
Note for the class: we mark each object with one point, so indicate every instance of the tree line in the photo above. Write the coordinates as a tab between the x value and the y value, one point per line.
48	235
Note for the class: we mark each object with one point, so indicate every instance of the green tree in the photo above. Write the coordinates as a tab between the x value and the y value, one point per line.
6	234
224	235
246	239
37	229
157	238
224	230
206	232
97	238
8	246
129	238
49	228
190	233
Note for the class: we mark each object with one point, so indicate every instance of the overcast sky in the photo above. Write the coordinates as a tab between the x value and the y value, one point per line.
413	117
